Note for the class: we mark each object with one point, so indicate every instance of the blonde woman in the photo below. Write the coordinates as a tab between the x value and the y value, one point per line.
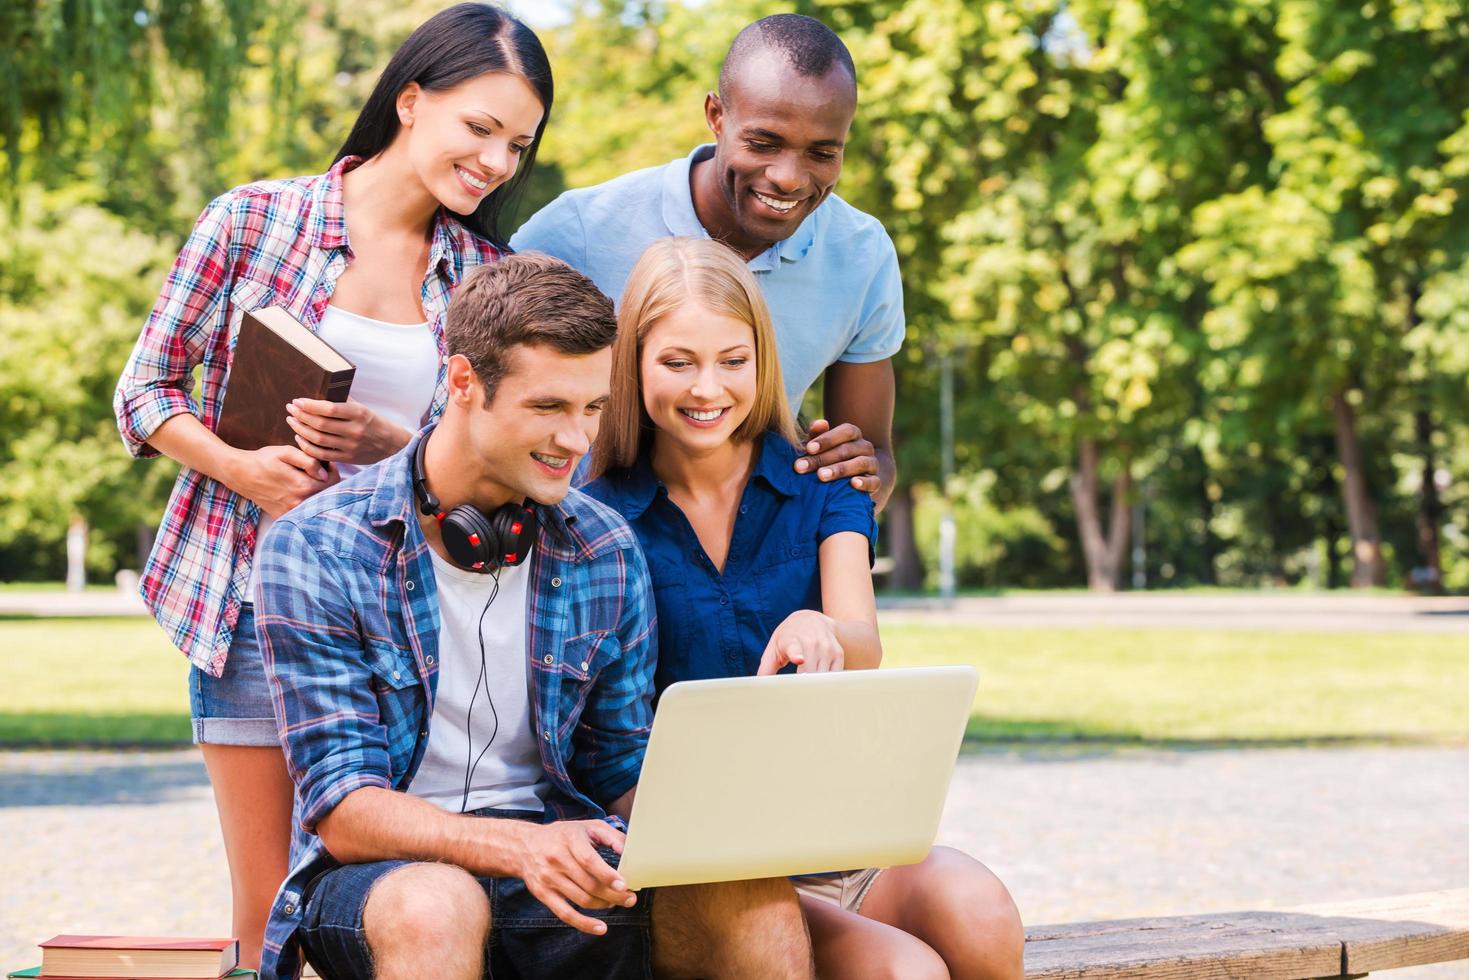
757	569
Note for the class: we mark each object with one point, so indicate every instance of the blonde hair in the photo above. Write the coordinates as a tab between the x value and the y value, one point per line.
670	273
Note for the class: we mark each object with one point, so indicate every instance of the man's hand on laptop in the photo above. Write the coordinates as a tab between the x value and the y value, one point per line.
841	453
807	639
560	866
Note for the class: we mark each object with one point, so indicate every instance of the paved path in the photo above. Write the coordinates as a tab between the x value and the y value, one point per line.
127	842
1337	612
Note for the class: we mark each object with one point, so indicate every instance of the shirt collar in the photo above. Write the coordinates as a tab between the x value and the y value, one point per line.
776	465
681	219
330	229
393	498
634	489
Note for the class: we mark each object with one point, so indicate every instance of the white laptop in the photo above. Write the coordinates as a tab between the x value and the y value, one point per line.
758	777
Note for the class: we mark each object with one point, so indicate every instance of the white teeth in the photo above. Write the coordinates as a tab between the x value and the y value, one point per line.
773	203
708	416
555	462
472	180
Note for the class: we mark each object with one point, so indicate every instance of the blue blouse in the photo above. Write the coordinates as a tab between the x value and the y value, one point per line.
717	625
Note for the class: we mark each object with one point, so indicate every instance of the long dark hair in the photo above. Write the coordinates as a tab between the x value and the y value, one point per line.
453	46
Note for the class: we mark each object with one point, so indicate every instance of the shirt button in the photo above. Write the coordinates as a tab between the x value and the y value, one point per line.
429	661
410	586
744	509
546	736
724	600
289	909
556	582
583	665
548	660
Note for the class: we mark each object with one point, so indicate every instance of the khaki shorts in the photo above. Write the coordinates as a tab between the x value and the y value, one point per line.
844	889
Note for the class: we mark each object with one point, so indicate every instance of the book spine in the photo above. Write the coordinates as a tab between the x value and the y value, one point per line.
338	385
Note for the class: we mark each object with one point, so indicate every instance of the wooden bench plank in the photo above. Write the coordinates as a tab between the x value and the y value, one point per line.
1224	946
1407	930
1340	939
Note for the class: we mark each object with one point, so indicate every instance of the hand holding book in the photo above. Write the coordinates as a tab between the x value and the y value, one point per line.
343	432
276	478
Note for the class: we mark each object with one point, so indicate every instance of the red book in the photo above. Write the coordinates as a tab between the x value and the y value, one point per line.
131	957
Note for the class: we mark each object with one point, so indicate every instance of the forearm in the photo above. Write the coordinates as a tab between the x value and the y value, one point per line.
622	806
376	824
887	471
184	439
861	645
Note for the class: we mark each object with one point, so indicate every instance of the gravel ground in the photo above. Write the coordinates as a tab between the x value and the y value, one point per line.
128	842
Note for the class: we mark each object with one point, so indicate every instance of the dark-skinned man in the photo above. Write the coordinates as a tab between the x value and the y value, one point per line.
787	95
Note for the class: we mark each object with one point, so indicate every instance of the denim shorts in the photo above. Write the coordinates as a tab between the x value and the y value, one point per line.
234	708
526	939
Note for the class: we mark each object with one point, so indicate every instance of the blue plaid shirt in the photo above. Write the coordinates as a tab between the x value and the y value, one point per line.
348	619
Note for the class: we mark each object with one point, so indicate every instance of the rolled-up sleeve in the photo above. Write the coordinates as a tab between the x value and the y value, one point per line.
316	667
612	735
158	379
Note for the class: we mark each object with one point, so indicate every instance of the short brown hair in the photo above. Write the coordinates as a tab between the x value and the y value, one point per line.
525	299
670	273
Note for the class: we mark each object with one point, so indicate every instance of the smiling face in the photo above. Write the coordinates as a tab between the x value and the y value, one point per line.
465	141
699	376
525	442
779	138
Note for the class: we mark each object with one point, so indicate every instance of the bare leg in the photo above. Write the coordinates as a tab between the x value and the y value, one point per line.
427	920
253	793
731	931
849	946
958	907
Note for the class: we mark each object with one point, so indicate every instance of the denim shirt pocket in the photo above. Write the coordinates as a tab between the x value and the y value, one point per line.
391	665
788	578
584	657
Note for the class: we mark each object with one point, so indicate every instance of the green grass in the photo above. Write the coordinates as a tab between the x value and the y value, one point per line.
91	682
1176	686
118	681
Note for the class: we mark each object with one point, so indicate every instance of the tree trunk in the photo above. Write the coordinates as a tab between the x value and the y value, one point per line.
1368	568
1429	575
1208	542
1102	548
907	573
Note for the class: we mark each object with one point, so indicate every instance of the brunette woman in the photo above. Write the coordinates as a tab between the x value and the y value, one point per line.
366	254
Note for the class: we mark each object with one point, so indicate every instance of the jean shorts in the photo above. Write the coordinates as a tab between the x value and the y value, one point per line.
234	708
526	939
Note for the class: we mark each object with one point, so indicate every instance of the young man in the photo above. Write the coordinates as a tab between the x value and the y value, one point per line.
787	94
460	650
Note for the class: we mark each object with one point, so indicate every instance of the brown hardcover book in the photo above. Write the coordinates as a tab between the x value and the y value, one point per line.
277	359
138	956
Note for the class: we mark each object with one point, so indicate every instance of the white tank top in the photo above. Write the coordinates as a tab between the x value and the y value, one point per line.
397	369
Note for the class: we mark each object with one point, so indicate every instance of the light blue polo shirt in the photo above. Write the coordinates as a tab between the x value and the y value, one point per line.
833	286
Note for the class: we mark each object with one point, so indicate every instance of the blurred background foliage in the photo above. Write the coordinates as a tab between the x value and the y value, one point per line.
1200	267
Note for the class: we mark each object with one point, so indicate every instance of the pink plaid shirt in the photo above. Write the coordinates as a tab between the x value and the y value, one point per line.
272	243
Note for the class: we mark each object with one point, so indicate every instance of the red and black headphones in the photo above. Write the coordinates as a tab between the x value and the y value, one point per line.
474	541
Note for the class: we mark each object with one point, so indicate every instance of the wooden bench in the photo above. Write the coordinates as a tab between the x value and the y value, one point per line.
1348	939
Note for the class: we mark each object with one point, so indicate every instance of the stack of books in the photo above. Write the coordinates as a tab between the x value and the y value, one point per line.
137	958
